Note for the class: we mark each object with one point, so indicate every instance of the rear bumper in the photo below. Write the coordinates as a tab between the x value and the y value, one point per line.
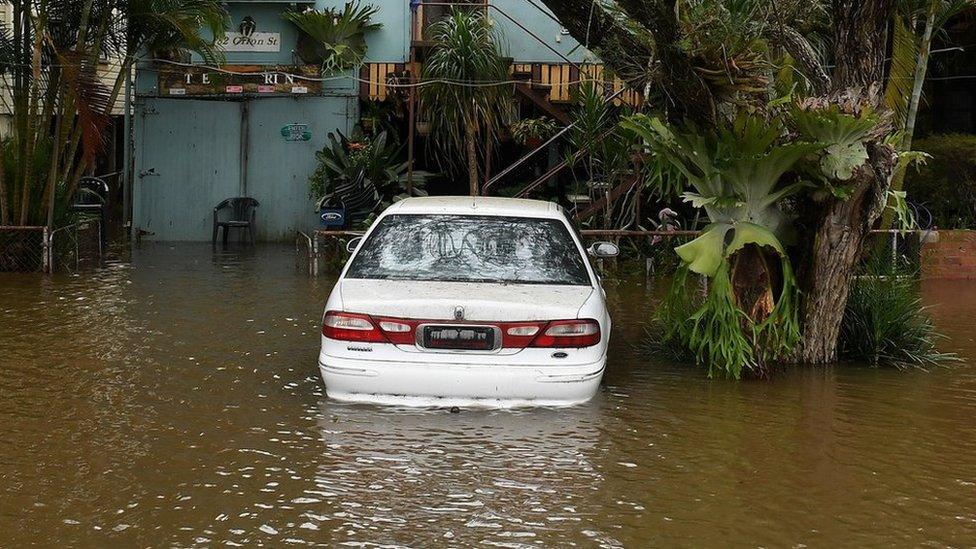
447	384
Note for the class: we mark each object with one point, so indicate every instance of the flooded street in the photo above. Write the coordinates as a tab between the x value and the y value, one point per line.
174	400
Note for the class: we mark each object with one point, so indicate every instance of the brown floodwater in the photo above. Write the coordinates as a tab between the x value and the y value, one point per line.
173	400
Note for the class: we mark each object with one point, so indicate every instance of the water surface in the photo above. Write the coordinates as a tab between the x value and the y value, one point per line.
174	400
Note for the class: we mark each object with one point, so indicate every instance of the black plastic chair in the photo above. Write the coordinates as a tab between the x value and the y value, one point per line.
241	216
91	198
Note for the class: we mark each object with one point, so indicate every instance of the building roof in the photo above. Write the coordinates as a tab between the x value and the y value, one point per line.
480	205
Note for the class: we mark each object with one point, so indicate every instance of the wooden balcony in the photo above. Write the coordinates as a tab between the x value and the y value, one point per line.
556	82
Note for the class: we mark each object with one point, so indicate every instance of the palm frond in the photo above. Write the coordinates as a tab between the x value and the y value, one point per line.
172	26
905	47
92	102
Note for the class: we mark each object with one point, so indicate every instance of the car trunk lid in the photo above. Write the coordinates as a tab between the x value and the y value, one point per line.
478	302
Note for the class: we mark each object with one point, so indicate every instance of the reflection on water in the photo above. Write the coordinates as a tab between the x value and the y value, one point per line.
174	400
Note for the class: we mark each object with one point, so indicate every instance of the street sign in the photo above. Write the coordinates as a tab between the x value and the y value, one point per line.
241	79
255	42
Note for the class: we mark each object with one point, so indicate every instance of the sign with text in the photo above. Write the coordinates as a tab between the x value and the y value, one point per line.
257	41
296	132
240	79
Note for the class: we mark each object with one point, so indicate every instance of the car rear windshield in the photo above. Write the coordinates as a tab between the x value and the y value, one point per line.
462	248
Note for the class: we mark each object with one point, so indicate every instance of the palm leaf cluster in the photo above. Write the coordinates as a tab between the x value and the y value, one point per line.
600	152
359	172
51	55
461	90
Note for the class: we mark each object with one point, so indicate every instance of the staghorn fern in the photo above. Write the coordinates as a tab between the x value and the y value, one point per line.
334	39
736	172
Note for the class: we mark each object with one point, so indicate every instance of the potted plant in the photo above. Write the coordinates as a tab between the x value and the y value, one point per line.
532	132
356	174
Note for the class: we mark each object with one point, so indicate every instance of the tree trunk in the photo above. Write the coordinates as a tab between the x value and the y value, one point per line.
838	246
469	140
919	78
34	132
860	41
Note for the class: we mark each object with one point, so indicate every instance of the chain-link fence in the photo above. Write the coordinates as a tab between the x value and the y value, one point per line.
22	249
37	249
76	246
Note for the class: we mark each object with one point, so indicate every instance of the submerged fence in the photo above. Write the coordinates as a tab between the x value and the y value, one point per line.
24	249
42	250
325	249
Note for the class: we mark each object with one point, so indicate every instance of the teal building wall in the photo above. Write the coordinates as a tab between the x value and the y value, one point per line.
192	152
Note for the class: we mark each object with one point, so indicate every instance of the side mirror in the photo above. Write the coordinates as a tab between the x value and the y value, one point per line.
603	250
353	244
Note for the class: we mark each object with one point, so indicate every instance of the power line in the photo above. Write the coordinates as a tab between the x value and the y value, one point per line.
392	83
415	83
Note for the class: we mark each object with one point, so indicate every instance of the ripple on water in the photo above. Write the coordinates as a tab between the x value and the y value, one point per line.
173	400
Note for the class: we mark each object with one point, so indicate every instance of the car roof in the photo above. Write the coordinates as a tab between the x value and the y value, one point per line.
476	205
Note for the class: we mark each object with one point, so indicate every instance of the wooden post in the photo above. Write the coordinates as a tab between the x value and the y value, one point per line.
488	152
412	124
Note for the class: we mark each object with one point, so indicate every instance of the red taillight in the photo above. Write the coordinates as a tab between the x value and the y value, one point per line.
569	333
515	335
350	327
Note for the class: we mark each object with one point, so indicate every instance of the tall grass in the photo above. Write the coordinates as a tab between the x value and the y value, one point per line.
886	323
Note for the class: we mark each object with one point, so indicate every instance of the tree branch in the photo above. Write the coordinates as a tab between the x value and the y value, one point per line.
591	25
805	56
628	55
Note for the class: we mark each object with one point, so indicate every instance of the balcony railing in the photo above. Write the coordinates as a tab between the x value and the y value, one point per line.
557	81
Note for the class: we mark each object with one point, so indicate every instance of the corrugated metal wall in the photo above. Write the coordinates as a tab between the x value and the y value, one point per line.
191	154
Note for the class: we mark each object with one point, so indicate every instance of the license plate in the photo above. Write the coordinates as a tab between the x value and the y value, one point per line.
472	338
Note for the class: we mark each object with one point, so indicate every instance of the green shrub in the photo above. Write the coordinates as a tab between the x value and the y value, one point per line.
946	184
885	323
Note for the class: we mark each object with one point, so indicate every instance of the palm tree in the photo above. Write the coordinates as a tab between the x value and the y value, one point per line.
461	90
60	104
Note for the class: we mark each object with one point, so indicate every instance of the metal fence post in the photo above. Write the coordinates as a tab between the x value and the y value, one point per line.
314	264
894	249
46	251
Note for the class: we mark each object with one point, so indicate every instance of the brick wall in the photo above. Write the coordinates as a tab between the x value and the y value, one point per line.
951	255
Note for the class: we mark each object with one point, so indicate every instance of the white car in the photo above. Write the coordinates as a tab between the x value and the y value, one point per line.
460	301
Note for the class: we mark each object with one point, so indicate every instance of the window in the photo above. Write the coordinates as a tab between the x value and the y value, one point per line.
461	248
